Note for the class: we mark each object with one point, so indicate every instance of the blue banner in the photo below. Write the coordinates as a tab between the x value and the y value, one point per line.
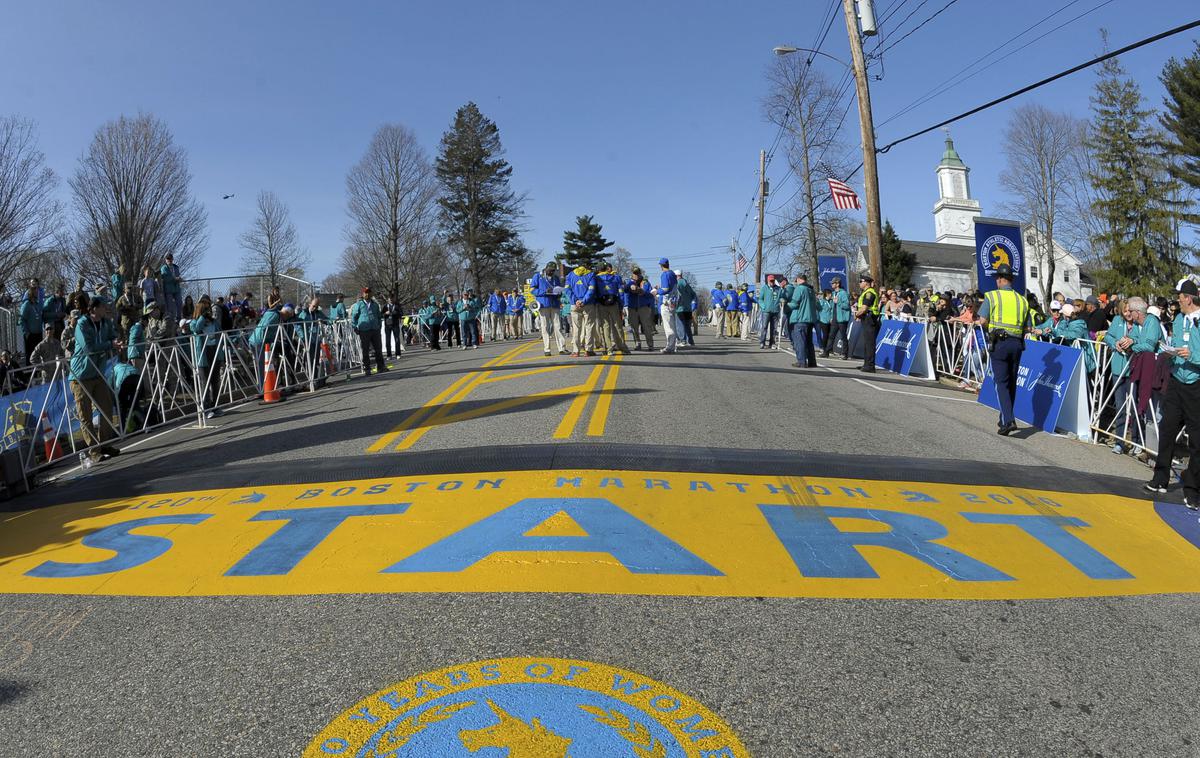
23	412
832	266
1050	390
998	242
898	345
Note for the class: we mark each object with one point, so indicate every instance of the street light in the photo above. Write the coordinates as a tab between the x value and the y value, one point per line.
788	50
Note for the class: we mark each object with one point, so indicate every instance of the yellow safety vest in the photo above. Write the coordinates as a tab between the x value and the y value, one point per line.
1007	310
862	295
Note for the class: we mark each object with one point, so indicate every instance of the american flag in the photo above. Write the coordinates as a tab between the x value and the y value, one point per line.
843	197
740	264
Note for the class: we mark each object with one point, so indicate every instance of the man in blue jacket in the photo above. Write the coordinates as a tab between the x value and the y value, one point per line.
366	319
717	296
514	305
495	315
608	309
547	290
667	292
839	326
745	304
639	309
581	284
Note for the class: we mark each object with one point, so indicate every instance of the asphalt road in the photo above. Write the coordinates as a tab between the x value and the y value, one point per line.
1038	670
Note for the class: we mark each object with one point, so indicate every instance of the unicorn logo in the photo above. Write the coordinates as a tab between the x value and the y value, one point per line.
523	739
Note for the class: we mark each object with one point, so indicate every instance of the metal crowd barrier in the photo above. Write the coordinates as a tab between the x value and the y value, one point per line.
176	380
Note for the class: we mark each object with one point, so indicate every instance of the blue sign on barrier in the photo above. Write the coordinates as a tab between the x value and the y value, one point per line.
832	266
901	347
1050	389
23	410
998	243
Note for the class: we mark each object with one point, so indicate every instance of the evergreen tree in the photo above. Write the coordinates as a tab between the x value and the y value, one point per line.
479	210
898	263
1182	120
1135	195
585	245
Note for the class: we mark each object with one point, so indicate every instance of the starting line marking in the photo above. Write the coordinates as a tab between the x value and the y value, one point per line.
609	532
439	411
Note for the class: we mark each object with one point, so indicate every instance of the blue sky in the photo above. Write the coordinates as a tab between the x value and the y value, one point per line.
645	114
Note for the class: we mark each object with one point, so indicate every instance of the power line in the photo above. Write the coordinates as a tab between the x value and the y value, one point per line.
1044	82
899	26
959	77
918	27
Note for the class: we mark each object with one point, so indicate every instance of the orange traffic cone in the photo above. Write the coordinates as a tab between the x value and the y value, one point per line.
271	392
50	439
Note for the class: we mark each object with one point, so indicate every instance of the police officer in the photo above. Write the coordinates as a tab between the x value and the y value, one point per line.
1004	315
867	312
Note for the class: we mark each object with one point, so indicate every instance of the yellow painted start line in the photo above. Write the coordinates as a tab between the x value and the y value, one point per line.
608	532
440	410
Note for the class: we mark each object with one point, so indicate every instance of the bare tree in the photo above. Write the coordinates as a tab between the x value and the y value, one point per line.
1081	223
29	212
133	200
391	200
811	114
1040	146
271	244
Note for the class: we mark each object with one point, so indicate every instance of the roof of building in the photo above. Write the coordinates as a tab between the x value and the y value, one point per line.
940	254
950	157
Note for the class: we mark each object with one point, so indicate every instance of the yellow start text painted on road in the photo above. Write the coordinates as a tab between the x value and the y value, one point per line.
608	532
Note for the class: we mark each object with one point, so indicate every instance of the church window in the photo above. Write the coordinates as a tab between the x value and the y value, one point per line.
1033	272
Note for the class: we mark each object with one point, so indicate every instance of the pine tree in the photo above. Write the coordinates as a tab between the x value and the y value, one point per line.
1182	120
585	245
898	263
479	209
1134	191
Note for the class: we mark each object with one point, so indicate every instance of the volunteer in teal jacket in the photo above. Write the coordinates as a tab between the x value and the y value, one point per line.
366	318
768	306
803	314
1181	402
92	348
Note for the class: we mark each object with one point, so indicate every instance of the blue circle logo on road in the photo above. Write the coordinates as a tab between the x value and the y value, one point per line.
528	708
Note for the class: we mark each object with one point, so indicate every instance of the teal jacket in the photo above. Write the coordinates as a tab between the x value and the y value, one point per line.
469	309
365	316
310	324
1076	328
91	350
204	335
564	303
826	314
119	373
337	312
170	282
268	325
431	314
31	316
841	311
768	298
803	305
1118	363
137	341
687	297
1186	370
1150	334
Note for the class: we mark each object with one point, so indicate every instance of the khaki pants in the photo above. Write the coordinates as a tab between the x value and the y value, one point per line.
548	320
612	330
86	391
495	325
733	323
744	318
719	319
583	328
641	323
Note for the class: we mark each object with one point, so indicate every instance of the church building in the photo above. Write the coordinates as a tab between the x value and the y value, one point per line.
948	262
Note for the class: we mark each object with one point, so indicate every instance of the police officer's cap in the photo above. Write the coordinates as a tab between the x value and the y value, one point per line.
1004	270
865	277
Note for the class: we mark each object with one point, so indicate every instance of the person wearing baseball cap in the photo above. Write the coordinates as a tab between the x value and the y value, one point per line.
1181	403
866	311
668	298
1004	315
768	308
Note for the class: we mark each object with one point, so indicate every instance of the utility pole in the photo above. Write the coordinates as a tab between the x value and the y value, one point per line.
867	123
762	212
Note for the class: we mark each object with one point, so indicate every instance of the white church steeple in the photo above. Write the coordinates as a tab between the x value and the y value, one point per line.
955	207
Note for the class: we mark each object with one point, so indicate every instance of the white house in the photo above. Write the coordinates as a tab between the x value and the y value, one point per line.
948	263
